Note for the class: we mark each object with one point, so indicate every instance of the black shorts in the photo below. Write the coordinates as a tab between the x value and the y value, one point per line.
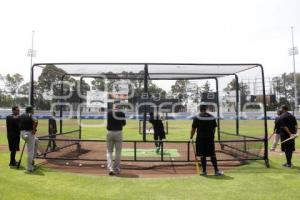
14	143
287	146
205	147
159	135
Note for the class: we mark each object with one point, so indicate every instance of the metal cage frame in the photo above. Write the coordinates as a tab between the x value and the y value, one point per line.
146	78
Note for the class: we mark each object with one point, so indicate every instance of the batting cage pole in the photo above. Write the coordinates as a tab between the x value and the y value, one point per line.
218	108
80	102
167	123
146	96
60	107
266	156
31	85
237	105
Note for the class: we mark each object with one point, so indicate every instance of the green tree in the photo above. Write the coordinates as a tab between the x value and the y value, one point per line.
244	91
12	84
179	89
23	94
206	87
24	89
284	88
49	76
156	91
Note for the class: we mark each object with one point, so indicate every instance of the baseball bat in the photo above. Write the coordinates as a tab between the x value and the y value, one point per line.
19	163
271	136
291	138
196	160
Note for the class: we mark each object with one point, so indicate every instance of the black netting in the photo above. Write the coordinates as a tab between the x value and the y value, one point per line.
82	94
242	147
58	143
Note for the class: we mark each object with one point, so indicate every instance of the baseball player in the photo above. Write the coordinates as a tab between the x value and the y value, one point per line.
115	123
159	130
205	125
52	130
288	128
13	134
28	128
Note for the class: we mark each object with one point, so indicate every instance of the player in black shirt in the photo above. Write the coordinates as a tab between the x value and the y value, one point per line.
115	123
115	120
13	134
159	130
205	125
52	130
28	129
288	128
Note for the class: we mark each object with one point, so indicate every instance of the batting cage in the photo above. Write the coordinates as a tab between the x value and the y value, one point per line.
79	95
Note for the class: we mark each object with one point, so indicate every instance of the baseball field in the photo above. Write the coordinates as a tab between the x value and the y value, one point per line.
250	181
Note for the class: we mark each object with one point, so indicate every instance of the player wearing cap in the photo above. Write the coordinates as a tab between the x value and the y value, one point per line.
115	123
288	128
28	128
205	125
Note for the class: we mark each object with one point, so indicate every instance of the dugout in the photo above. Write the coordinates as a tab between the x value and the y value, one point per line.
70	89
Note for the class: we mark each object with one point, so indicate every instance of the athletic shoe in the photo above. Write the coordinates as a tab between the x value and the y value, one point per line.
55	148
287	165
13	164
111	173
38	153
203	174
219	173
29	171
117	172
157	149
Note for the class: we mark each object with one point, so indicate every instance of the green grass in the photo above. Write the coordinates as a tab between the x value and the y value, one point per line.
252	181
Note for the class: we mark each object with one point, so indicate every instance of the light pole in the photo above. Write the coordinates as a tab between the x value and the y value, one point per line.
292	52
31	53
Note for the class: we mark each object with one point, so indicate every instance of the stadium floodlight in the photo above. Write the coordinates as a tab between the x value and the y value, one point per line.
292	52
31	53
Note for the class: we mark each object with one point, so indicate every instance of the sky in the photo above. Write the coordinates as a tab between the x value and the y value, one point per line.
214	31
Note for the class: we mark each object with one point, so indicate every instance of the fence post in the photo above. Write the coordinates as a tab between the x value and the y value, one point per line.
134	146
188	150
162	151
